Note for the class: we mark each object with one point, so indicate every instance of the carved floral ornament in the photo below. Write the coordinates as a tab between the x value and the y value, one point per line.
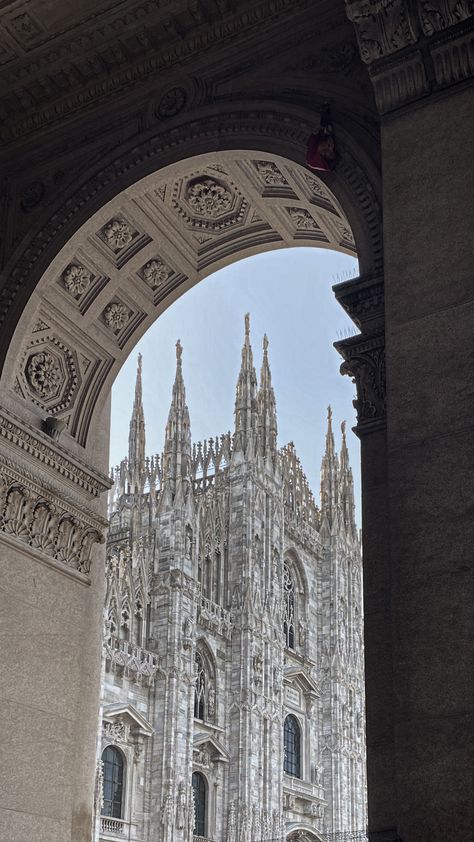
208	197
51	374
77	279
116	316
155	272
117	234
44	374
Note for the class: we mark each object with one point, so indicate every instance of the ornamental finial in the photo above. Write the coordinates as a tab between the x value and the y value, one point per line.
179	351
247	324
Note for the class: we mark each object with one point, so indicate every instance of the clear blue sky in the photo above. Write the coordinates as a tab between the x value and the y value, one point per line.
288	295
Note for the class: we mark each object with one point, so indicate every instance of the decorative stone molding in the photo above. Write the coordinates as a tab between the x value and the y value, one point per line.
171	103
438	15
31	514
363	300
16	434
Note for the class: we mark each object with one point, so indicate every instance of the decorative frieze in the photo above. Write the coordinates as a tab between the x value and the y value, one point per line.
30	514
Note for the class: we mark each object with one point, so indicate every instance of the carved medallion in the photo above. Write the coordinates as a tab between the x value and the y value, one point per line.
208	197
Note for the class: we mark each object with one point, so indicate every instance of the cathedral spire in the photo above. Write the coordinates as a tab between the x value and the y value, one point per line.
329	475
346	486
136	436
177	448
267	422
246	396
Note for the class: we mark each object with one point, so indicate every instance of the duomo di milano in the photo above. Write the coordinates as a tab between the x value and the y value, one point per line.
232	700
144	144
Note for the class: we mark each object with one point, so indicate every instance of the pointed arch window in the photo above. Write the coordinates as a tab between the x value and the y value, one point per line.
292	747
200	687
288	608
199	791
112	760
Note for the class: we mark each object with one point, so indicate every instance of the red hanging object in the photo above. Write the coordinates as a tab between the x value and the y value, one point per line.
321	152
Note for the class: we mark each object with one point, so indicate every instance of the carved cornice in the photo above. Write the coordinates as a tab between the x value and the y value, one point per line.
363	300
16	433
95	53
402	42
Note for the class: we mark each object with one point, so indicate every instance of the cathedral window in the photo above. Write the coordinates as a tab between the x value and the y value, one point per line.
200	688
292	747
288	608
113	782
199	791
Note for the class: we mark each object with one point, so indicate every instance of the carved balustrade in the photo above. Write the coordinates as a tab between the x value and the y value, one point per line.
137	663
113	827
214	617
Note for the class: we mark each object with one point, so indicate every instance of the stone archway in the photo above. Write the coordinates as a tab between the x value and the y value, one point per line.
92	293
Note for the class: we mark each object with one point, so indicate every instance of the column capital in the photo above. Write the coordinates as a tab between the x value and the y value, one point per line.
413	49
364	354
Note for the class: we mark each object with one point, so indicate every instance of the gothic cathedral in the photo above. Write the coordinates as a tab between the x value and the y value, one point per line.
232	694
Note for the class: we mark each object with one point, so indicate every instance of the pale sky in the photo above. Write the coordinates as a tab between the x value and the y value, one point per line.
288	295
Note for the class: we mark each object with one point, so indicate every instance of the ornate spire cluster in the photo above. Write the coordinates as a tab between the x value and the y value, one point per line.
255	409
337	484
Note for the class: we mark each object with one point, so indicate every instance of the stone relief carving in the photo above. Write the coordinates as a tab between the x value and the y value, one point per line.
181	806
116	316
42	524
302	219
436	15
269	173
77	279
117	732
208	197
117	234
382	27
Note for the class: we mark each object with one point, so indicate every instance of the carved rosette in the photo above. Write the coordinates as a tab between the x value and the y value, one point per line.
50	373
116	316
76	279
155	273
117	234
208	197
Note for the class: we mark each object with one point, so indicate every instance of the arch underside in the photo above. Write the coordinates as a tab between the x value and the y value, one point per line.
140	252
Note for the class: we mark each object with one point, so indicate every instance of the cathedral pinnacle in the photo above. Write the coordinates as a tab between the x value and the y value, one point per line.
329	475
246	396
177	448
136	437
267	423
